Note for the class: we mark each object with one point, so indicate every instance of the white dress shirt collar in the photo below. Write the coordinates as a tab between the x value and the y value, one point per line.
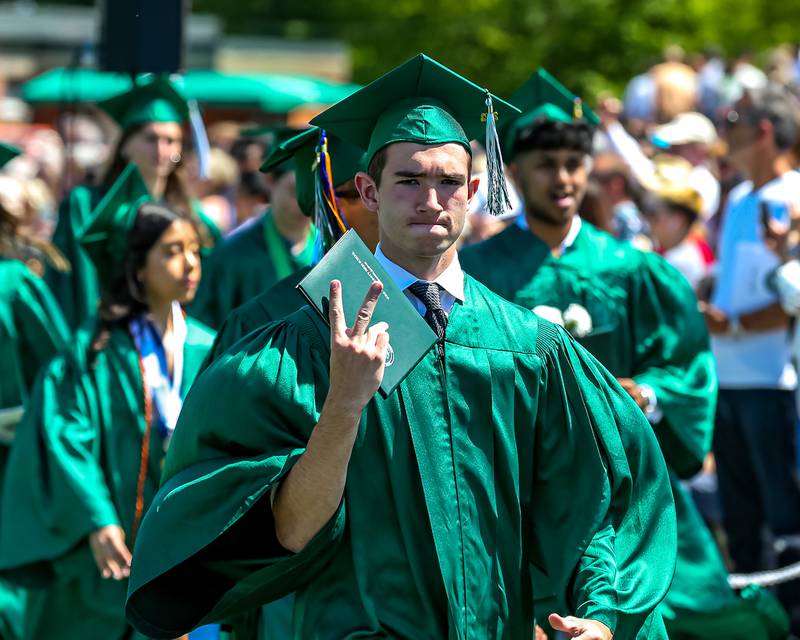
451	279
572	234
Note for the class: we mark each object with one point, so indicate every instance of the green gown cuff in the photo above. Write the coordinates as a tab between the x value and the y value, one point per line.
594	586
282	577
225	561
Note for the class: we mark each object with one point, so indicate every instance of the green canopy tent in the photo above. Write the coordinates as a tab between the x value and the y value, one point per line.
270	93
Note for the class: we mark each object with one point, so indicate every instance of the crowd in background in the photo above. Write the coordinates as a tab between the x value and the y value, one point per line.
681	162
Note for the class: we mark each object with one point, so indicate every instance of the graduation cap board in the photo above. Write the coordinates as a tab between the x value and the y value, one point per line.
322	163
152	99
105	236
423	101
346	161
544	98
7	153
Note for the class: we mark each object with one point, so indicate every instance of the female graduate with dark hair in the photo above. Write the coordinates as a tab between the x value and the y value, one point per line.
88	457
151	116
31	331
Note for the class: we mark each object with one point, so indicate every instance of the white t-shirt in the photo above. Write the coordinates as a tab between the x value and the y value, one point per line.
754	360
689	260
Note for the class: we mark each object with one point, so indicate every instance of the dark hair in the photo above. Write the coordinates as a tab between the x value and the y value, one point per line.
125	298
778	105
548	135
688	213
650	203
241	145
378	164
253	183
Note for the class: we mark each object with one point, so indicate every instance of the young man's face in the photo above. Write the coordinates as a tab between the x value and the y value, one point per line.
552	183
422	199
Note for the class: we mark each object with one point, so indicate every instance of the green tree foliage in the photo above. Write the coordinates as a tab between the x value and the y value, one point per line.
591	44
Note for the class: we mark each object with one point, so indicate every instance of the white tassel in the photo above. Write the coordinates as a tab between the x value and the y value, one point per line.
498	200
201	144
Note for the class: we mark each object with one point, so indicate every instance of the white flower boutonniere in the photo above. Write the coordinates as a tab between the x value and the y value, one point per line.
549	313
577	321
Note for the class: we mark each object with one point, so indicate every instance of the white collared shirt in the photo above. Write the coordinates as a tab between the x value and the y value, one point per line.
451	281
572	234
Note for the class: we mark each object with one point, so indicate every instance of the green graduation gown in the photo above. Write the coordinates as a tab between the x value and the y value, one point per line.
274	304
78	290
498	454
32	330
73	469
645	326
248	262
268	306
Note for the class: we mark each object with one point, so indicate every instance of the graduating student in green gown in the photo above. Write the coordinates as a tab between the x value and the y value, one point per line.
424	514
258	254
637	315
151	117
88	453
32	330
284	298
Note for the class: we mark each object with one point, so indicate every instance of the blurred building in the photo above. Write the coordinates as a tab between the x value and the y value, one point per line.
35	37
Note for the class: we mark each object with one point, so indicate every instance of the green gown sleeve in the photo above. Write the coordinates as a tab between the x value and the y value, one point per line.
57	444
32	330
207	549
42	328
232	330
673	357
629	545
275	303
77	291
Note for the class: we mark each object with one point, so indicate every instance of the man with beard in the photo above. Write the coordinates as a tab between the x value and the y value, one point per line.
637	315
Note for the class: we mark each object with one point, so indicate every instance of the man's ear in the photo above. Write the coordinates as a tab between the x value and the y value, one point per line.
368	190
472	187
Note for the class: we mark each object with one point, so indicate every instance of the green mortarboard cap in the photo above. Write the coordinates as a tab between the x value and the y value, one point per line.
105	236
419	101
542	97
346	161
152	99
423	101
7	153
